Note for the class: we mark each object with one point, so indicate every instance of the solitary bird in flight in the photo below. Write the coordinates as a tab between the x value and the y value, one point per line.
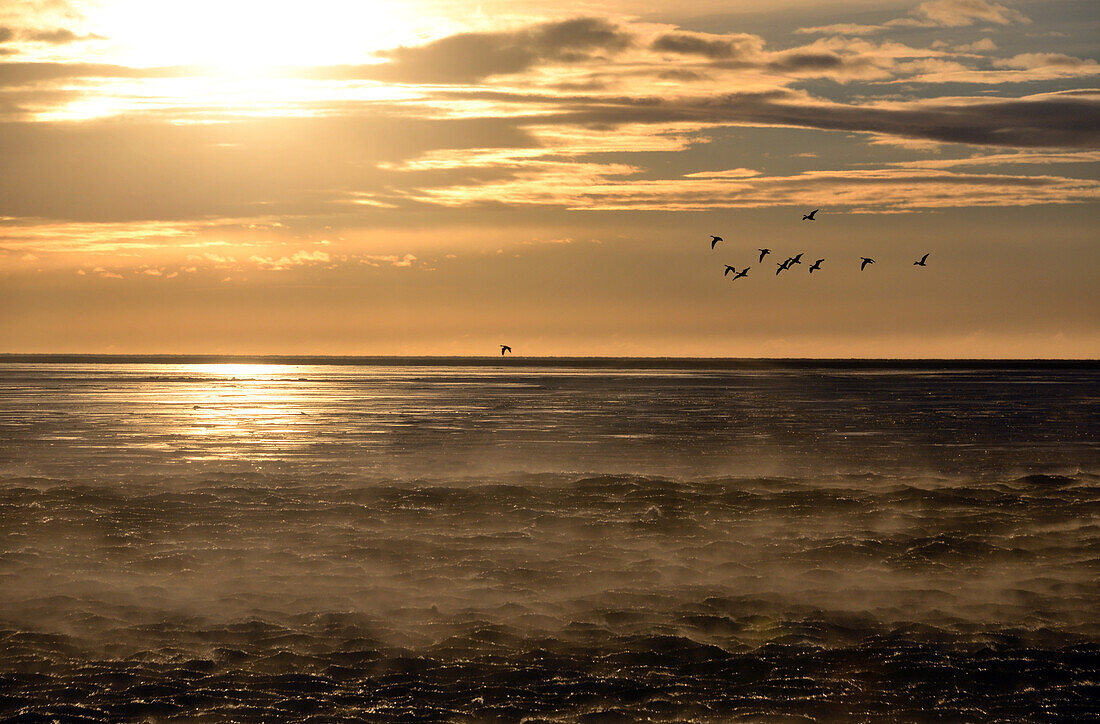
728	270
866	260
744	272
816	265
810	216
714	240
783	266
504	348
921	262
797	259
764	253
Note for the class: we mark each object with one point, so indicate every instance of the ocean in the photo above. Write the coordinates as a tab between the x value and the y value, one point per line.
548	540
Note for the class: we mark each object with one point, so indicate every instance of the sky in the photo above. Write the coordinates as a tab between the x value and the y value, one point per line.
437	178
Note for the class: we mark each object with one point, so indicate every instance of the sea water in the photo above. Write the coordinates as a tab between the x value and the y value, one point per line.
583	541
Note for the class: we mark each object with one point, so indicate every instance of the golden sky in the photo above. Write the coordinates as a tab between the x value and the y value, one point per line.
389	177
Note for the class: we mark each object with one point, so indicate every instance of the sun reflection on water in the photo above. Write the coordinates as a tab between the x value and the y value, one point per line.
245	410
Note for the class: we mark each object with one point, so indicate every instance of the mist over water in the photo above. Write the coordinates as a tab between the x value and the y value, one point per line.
418	543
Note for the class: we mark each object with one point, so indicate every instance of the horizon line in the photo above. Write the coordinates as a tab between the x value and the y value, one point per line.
514	361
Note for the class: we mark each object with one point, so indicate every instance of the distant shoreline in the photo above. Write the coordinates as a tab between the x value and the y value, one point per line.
716	363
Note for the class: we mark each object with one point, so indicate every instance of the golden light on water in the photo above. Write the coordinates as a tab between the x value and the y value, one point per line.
239	370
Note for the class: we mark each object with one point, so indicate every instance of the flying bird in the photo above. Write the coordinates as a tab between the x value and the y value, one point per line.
714	240
866	260
783	266
810	216
744	272
921	262
504	348
797	259
728	270
764	253
816	265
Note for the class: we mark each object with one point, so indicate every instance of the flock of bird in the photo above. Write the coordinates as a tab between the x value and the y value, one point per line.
782	266
791	261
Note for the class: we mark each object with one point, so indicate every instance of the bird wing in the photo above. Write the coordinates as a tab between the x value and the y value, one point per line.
924	258
814	212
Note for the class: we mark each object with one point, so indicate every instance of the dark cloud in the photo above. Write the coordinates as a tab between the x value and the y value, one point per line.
682	74
1069	120
806	61
470	57
1053	121
6	34
694	44
60	36
714	47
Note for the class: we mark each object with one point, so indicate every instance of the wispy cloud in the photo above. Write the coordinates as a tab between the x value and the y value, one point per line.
471	57
883	190
957	13
298	258
841	29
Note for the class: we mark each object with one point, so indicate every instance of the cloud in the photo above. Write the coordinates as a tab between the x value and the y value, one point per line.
799	61
377	260
6	34
874	190
714	47
985	45
841	29
1057	120
15	74
745	52
1001	159
1030	61
349	156
1026	67
106	274
958	13
471	57
245	169
60	36
298	258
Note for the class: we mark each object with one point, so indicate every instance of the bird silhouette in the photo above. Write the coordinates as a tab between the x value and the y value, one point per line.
921	262
816	265
764	253
744	272
714	240
783	266
866	260
504	348
797	259
810	216
728	270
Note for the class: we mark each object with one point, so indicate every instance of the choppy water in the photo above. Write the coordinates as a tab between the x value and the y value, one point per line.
251	543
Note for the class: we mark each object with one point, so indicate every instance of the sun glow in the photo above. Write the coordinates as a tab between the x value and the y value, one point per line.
252	37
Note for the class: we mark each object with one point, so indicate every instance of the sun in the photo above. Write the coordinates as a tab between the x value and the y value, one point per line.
246	37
